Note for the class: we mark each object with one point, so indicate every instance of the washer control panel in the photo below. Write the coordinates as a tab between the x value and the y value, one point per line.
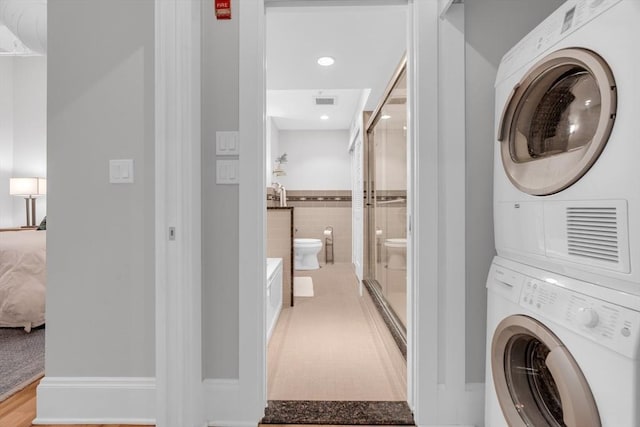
608	324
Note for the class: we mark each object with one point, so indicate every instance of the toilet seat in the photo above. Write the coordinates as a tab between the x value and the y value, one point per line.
307	243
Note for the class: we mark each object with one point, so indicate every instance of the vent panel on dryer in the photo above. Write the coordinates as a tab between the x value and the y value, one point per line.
592	232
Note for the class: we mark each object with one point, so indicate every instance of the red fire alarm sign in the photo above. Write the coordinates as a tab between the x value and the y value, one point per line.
223	9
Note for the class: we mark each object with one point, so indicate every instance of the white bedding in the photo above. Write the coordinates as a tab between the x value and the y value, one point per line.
22	278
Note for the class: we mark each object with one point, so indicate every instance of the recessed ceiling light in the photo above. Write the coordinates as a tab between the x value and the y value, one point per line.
326	61
385	117
324	117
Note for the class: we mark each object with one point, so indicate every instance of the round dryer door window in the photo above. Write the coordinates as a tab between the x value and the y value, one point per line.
537	381
557	121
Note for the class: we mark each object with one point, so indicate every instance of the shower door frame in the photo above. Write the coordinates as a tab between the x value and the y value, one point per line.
396	327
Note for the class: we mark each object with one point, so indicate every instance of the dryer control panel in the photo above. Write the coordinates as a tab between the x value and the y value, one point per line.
606	323
569	17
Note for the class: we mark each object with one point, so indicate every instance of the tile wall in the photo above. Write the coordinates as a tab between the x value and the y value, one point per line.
314	210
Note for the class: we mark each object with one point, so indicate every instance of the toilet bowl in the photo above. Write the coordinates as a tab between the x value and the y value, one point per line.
306	253
396	253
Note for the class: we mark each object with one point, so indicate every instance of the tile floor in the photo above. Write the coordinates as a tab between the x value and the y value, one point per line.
334	345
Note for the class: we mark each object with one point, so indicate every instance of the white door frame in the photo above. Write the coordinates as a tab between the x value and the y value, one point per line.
424	182
178	269
178	264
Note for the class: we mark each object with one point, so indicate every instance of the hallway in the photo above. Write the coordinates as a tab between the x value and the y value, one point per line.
334	345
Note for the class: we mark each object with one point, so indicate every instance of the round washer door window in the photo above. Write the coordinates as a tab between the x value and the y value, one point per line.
537	381
557	121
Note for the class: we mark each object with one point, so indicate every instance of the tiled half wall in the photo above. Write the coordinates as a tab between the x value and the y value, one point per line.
314	210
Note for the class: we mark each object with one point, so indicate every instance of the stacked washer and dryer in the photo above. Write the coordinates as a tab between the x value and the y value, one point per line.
563	322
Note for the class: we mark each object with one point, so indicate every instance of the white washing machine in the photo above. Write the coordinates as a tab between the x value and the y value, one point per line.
567	153
560	352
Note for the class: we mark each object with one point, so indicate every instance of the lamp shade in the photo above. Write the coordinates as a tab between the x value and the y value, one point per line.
27	186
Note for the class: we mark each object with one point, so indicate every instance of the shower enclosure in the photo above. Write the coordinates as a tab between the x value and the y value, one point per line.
385	272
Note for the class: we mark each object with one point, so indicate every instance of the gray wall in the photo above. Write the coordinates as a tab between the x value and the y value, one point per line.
220	226
487	41
100	252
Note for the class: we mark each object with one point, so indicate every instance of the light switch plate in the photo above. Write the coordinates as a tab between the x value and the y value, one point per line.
121	171
227	172
227	143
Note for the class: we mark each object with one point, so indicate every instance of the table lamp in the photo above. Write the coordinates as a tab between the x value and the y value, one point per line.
29	188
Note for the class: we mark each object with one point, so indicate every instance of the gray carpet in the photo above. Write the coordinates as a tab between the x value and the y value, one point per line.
21	359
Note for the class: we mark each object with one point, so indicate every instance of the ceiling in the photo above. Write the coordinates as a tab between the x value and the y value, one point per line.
367	43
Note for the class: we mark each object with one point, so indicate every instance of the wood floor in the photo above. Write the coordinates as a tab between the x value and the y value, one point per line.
20	409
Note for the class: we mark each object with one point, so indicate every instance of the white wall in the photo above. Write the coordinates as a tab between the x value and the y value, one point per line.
100	242
23	131
486	43
6	140
29	127
272	148
317	160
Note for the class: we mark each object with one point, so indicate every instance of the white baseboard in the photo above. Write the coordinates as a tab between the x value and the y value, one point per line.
223	404
96	400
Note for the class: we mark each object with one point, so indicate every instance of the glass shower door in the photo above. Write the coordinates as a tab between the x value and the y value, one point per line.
387	204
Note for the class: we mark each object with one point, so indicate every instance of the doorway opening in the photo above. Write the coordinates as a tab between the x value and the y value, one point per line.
333	92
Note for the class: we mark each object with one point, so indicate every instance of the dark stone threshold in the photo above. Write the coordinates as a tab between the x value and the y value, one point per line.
338	412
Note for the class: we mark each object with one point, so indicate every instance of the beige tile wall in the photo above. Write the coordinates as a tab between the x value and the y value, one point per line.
310	222
279	246
312	216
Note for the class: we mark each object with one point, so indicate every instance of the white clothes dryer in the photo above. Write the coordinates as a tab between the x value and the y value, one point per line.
560	352
567	153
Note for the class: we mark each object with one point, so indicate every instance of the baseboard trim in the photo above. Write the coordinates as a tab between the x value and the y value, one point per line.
96	400
223	404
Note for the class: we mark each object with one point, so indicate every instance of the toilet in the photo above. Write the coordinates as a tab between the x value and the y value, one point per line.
396	253
306	253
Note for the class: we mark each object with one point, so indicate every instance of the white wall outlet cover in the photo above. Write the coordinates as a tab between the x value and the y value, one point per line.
227	143
121	171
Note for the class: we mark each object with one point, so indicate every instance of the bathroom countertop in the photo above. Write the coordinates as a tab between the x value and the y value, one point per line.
337	412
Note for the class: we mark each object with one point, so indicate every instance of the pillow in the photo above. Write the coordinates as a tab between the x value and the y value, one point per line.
43	224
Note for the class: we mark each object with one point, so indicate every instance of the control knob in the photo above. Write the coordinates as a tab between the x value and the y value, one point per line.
588	317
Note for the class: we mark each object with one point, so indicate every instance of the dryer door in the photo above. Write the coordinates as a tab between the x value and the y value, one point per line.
537	381
557	121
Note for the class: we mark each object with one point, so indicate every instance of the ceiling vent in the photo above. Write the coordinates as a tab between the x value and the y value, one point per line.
325	100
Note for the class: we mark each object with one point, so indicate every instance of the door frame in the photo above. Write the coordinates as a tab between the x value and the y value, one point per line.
178	269
422	387
180	391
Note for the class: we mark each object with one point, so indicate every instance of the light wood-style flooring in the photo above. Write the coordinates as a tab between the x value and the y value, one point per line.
20	409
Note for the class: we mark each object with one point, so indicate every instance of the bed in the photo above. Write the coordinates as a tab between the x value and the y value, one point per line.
22	278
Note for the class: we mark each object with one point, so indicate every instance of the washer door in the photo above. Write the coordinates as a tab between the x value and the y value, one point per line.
557	121
537	381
